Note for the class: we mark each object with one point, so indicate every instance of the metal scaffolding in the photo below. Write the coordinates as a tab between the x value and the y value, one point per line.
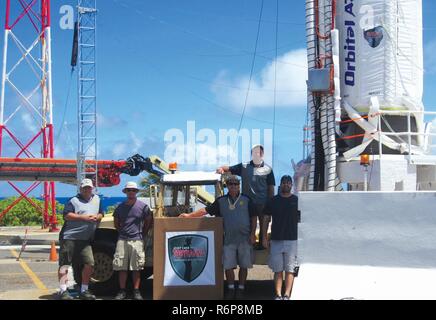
87	90
26	103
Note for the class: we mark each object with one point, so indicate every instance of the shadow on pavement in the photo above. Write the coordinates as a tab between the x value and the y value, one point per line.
53	296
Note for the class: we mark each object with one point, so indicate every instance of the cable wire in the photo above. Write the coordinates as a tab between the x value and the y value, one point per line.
252	68
216	105
275	85
65	107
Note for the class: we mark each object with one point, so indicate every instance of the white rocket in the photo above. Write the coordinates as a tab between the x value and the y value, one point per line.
365	93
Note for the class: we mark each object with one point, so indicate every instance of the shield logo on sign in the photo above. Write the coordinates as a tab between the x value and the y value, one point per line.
188	255
374	36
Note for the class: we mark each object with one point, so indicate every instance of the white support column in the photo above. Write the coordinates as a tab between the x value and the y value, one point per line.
2	94
49	76
44	93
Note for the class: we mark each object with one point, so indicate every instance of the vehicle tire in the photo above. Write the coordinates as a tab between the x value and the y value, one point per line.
104	281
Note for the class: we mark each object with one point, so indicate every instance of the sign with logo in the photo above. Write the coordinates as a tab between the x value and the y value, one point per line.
374	36
189	258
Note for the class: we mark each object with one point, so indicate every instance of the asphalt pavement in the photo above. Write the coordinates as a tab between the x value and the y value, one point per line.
33	235
34	276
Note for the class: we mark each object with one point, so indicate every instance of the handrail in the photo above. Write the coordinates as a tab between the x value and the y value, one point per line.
405	135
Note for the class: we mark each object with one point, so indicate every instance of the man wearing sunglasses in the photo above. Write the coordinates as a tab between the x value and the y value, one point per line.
132	219
257	183
239	217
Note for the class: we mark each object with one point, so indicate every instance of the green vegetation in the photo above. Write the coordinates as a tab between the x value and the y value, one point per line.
146	182
24	214
110	210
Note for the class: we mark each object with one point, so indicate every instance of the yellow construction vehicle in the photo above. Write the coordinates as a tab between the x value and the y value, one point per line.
176	193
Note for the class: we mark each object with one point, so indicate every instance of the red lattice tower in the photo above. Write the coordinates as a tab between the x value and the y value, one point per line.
26	105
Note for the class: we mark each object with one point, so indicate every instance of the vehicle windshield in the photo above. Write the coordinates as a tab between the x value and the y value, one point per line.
175	200
174	195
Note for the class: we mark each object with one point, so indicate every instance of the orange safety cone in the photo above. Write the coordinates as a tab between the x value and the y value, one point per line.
53	252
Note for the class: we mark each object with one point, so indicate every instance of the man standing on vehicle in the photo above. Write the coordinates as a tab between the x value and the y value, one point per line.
132	219
238	214
283	209
82	213
257	182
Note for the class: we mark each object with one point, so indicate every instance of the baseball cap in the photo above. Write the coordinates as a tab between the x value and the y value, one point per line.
286	178
257	145
130	185
86	183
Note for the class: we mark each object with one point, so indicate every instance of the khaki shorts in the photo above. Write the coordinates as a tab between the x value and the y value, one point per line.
129	255
238	254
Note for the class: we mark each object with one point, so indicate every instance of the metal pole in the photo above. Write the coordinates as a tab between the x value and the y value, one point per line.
409	133
2	95
87	90
49	76
3	83
380	147
365	178
79	127
95	100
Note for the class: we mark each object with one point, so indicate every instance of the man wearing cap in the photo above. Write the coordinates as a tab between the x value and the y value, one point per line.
283	209
132	219
82	213
257	182
238	214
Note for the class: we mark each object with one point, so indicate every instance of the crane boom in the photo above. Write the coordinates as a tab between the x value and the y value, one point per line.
65	170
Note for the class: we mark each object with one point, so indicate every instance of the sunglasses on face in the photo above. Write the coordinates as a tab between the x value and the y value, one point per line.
131	190
233	184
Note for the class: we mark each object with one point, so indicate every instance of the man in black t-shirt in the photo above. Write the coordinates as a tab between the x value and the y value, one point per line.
283	209
257	182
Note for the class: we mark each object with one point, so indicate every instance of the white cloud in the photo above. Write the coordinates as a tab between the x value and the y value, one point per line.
110	121
119	150
137	143
29	122
430	57
291	84
122	149
60	153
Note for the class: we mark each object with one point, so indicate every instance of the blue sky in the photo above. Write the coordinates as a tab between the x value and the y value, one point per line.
164	63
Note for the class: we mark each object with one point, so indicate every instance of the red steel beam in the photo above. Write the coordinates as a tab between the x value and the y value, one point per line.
33	186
